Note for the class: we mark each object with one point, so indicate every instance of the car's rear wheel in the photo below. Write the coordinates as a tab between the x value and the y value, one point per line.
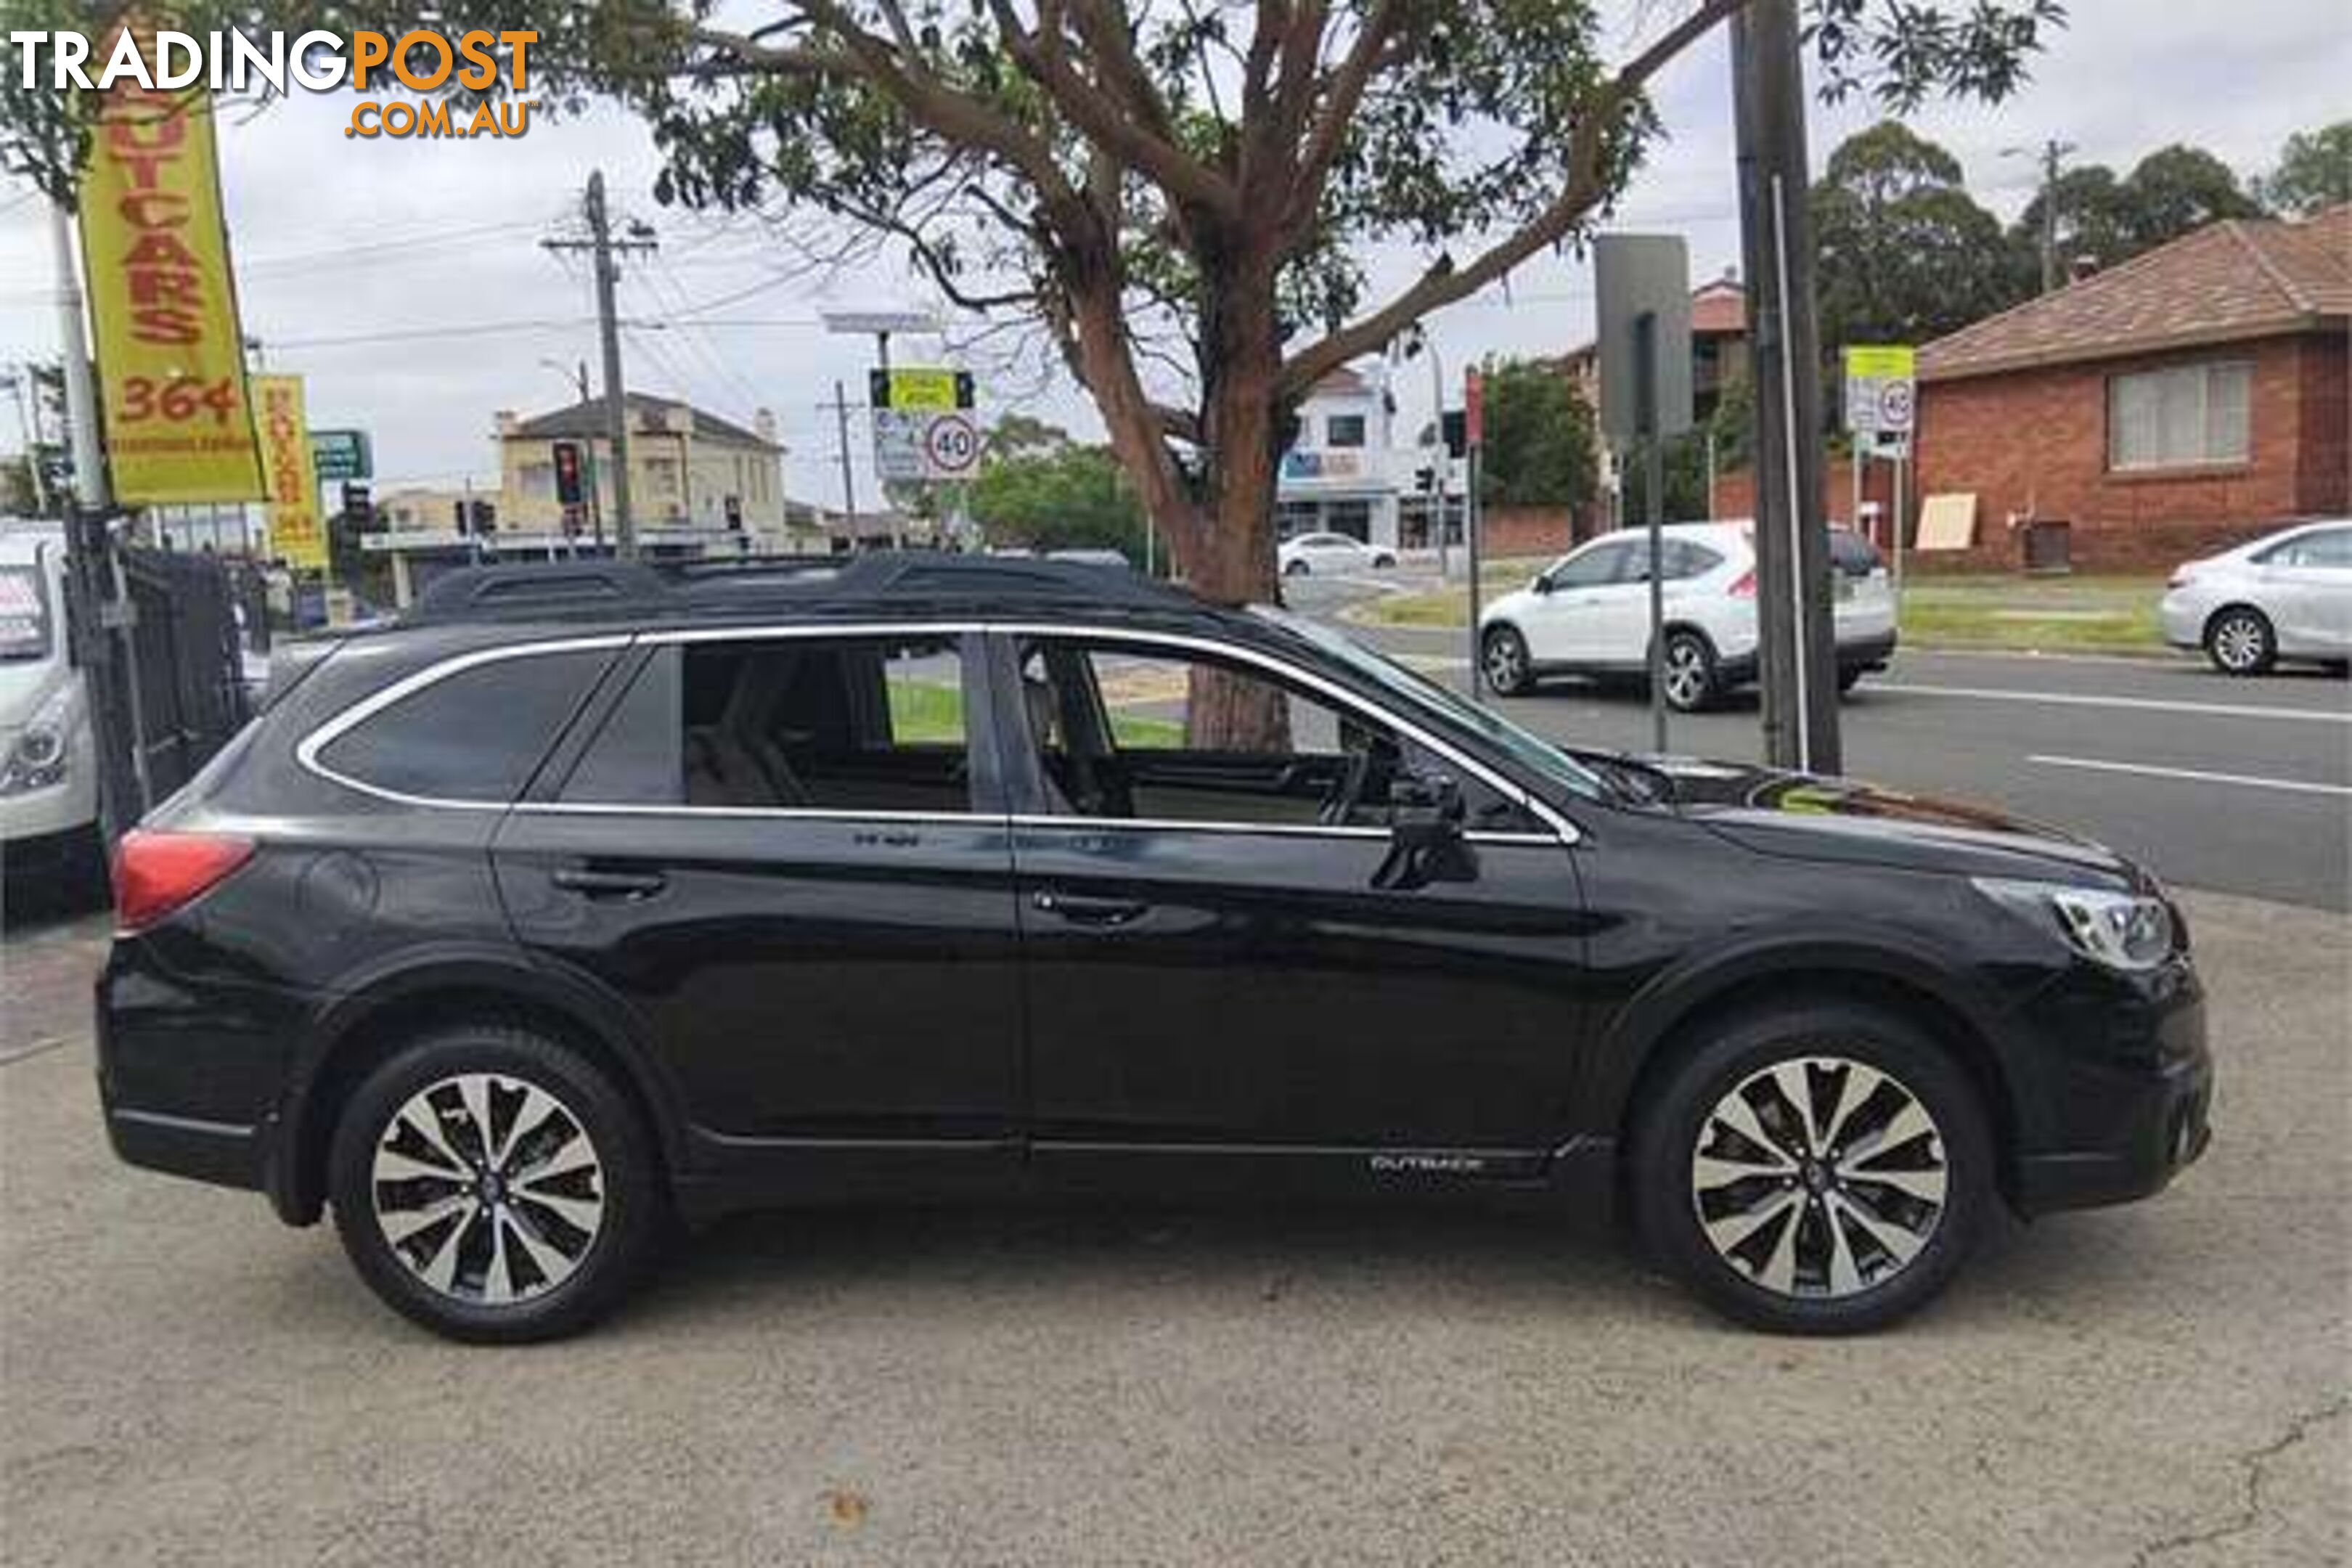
1296	569
2240	641
1820	1170
1690	679
1383	562
1849	679
1503	656
493	1186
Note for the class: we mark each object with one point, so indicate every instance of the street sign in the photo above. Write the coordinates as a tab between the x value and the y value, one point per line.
342	455
923	427
927	389
1642	287
1474	407
950	446
1882	391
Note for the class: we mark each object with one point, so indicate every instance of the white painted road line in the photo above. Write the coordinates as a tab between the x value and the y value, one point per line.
2145	704
2194	775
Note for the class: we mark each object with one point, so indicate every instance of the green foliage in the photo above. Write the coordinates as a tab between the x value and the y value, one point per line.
1056	495
2104	220
1539	438
1905	255
2179	189
2314	173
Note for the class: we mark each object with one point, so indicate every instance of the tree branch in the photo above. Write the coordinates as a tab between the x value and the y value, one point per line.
1340	101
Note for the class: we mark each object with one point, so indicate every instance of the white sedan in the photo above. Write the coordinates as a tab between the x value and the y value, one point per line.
1307	554
2284	595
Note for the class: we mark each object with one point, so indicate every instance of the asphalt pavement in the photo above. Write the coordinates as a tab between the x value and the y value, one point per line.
2239	786
183	1380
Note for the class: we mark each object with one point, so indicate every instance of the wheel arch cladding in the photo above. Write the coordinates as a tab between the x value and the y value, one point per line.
1666	1042
368	1029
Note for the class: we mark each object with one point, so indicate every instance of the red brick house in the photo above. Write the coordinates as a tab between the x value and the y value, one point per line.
2191	396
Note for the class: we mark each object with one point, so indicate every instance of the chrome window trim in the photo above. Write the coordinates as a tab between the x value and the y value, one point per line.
307	751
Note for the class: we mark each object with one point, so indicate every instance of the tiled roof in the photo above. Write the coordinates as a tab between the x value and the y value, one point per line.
587	420
2234	279
1721	307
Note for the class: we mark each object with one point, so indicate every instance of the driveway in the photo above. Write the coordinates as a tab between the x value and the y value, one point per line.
185	1381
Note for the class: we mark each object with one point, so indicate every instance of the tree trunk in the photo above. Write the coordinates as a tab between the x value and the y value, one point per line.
1232	559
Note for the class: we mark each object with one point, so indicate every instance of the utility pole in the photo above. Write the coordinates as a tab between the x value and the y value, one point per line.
840	406
1798	646
2053	154
600	241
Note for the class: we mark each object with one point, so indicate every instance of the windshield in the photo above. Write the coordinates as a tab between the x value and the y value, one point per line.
24	614
1530	751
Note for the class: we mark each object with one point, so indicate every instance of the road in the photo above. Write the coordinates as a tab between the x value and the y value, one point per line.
2243	786
186	1381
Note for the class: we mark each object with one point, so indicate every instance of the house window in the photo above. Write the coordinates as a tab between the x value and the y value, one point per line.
1344	430
2179	415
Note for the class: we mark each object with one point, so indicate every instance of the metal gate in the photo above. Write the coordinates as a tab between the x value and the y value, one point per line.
186	669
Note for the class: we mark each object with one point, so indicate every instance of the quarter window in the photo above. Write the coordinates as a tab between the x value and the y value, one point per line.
2322	547
1344	430
2179	415
854	724
476	735
1125	732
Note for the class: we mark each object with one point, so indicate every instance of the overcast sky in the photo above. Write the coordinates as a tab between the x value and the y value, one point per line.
340	240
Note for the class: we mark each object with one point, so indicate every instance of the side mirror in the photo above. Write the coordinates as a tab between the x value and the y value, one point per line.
1426	843
1540	584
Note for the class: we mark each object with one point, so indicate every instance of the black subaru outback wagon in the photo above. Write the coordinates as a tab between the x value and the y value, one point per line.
596	897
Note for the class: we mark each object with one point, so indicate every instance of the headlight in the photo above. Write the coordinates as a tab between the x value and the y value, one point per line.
2130	931
43	750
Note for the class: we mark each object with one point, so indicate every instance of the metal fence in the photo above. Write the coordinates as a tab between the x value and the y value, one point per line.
186	669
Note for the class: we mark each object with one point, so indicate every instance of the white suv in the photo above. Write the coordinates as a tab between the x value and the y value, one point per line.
1588	613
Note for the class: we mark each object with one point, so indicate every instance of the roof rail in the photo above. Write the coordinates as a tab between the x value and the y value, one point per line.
539	589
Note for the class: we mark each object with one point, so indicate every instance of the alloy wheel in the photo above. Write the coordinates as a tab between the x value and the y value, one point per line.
2240	643
1506	662
1685	673
1819	1177
487	1188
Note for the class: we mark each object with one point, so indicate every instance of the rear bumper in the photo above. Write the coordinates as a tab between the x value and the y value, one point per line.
1852	654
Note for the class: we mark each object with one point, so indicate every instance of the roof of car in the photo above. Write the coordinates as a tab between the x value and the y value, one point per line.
892	583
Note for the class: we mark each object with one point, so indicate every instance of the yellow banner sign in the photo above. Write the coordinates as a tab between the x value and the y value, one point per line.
170	359
1881	363
297	534
921	389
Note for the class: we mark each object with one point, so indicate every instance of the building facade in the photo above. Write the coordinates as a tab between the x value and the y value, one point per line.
689	469
2190	397
1343	474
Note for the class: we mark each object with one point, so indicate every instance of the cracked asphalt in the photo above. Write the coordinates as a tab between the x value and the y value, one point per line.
182	1380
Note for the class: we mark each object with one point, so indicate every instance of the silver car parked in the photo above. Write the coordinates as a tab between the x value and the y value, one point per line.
2284	595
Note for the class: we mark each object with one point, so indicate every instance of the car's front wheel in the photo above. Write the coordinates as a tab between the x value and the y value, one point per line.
1383	562
2240	641
493	1186
1818	1169
1503	656
1295	569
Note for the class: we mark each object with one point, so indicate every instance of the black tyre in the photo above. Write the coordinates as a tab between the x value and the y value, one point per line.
1503	658
1383	562
1296	569
493	1186
1849	679
1690	678
2240	641
1820	1169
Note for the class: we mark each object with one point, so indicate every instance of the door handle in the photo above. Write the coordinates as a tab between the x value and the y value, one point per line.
610	884
1087	912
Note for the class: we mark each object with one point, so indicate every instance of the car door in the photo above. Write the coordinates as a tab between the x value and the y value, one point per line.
1570	623
1224	970
784	856
2308	591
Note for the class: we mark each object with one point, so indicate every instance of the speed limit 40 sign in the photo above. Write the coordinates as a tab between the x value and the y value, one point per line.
950	446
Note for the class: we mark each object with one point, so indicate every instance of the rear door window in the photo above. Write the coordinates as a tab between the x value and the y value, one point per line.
864	724
474	736
1851	553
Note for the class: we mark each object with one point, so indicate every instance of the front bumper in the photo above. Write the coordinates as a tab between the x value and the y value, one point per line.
2126	1100
2183	614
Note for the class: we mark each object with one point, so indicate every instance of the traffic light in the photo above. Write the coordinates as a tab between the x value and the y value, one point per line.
484	517
359	506
567	473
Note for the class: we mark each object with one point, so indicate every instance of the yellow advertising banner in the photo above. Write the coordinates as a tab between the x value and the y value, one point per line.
171	358
1881	362
297	532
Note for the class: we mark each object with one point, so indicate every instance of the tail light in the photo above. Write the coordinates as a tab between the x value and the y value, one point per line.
157	872
1745	587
